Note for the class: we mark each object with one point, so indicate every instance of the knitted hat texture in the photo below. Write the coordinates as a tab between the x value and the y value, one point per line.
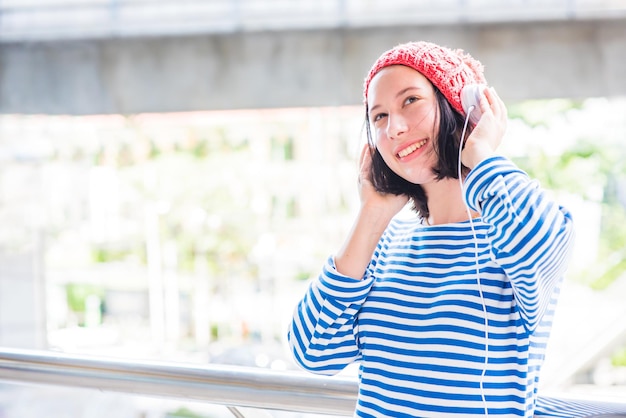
449	70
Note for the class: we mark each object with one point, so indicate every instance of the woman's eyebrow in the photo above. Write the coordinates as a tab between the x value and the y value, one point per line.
404	91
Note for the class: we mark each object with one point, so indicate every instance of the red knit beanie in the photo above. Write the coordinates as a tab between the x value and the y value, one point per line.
449	70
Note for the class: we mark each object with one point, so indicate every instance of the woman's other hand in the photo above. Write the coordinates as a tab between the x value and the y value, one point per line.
376	211
371	199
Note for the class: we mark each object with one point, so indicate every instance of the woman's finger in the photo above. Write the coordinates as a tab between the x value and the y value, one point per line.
497	105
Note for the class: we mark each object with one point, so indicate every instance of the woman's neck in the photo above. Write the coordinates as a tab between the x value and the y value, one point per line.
445	202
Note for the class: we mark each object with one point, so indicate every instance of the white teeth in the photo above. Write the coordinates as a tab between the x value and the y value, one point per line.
410	149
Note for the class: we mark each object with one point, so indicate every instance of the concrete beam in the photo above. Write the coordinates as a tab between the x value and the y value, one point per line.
575	59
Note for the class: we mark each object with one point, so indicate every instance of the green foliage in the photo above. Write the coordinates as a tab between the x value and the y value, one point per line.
582	169
539	112
201	149
77	293
619	358
591	168
612	254
107	255
609	275
154	152
283	148
184	413
613	231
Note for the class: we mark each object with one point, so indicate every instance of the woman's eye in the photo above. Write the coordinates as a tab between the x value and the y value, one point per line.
378	117
410	100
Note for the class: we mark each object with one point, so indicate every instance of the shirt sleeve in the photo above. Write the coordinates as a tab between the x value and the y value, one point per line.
531	236
322	334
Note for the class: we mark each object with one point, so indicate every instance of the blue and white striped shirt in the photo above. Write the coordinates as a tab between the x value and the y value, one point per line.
416	321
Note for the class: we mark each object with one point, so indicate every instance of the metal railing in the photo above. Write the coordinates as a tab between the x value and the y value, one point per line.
66	19
231	386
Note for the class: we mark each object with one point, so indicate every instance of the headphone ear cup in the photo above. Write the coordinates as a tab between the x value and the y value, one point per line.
470	100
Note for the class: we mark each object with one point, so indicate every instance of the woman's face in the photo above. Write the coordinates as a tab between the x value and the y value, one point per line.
403	115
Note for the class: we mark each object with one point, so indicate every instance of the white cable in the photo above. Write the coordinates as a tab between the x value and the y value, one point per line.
480	289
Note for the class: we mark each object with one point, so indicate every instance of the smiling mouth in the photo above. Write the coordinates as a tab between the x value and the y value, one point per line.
411	148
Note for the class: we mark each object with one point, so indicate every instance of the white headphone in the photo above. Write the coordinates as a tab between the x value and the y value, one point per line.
470	100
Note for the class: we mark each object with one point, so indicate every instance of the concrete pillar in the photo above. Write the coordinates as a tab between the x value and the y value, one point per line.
22	301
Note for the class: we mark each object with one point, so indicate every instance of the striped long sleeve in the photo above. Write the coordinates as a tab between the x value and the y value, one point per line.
323	332
530	235
448	320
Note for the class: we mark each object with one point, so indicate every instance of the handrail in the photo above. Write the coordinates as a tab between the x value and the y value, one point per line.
216	384
231	386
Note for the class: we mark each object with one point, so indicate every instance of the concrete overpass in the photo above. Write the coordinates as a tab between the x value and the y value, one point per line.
106	57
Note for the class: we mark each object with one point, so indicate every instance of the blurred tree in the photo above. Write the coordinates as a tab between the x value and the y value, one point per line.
593	168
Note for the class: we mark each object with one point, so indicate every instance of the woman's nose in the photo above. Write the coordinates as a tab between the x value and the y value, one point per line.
396	126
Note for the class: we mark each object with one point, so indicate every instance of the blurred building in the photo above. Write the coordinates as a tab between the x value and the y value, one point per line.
173	172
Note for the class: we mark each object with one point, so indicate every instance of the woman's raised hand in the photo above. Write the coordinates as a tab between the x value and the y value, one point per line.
488	132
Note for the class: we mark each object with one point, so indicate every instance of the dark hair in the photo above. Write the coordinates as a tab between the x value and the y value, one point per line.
446	147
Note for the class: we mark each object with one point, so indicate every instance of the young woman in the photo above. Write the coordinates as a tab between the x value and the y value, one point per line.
447	313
